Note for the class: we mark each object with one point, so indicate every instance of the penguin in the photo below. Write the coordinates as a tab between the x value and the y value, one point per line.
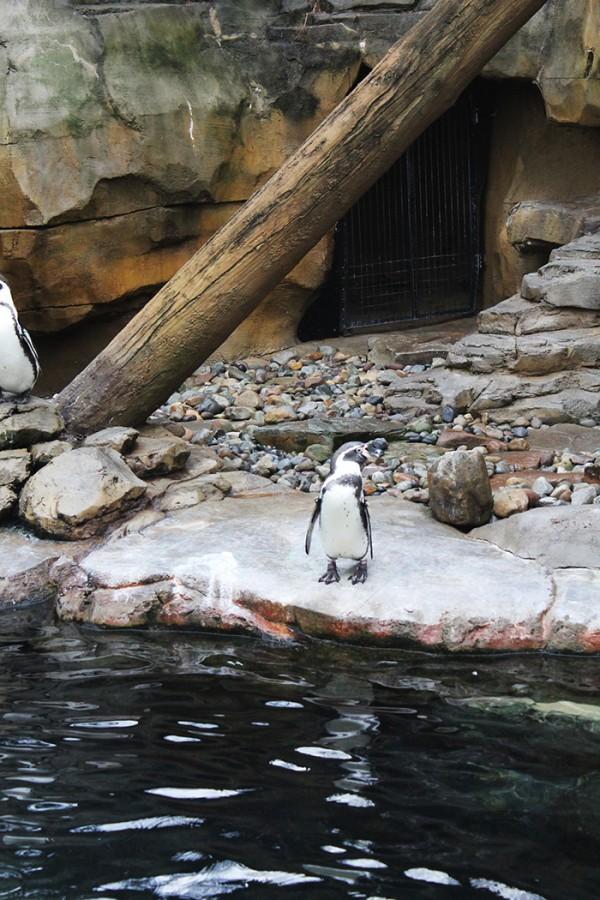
342	513
19	363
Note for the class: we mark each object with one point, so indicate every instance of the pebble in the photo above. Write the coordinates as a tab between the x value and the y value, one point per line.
509	501
229	400
583	495
542	486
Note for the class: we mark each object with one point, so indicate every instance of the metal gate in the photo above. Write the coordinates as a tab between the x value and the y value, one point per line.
409	250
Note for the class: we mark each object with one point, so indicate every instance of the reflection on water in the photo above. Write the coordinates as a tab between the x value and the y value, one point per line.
193	766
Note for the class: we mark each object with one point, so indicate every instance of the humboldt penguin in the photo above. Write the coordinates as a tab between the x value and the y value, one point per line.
19	364
341	510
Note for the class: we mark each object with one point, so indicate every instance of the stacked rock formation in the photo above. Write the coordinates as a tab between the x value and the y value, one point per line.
70	492
537	354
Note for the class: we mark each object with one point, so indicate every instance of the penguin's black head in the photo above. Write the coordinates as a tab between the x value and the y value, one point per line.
377	447
352	452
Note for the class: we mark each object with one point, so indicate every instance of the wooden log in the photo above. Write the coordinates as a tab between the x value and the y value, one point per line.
419	78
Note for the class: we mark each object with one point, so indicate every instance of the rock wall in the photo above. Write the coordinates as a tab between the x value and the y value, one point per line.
130	131
543	188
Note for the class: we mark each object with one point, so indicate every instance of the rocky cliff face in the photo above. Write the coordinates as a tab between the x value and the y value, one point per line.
129	131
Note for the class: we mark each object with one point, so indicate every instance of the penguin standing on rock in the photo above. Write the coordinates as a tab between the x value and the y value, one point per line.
19	363
341	510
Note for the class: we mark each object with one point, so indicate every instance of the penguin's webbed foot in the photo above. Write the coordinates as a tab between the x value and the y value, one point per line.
331	574
359	575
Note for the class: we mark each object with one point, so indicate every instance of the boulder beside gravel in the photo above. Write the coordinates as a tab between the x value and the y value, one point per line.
158	456
509	501
119	437
459	489
295	437
79	493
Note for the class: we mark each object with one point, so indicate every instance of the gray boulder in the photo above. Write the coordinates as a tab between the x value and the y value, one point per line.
119	437
79	493
565	282
158	456
24	424
15	466
459	489
8	501
556	537
42	453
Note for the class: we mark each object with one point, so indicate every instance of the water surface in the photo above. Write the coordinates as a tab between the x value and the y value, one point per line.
194	766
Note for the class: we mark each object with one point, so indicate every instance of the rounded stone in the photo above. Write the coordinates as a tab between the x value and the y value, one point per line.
510	501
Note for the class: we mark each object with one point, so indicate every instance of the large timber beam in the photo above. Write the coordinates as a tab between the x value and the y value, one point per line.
418	79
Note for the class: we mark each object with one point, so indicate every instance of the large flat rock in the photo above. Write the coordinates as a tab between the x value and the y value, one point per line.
574	619
574	437
297	436
556	537
240	564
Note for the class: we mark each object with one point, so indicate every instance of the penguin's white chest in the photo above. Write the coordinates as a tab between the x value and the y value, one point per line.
16	372
342	530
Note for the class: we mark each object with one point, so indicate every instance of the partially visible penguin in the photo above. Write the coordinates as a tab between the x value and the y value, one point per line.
19	364
341	510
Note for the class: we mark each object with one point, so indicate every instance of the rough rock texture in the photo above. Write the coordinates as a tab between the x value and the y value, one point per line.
78	493
300	435
559	49
509	501
137	132
30	570
517	316
44	452
119	438
575	437
536	199
15	466
565	283
575	617
537	224
429	585
190	573
134	130
556	538
8	501
529	358
158	456
459	489
27	423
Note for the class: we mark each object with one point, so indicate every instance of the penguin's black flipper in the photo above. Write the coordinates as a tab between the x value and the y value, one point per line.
29	349
366	520
311	525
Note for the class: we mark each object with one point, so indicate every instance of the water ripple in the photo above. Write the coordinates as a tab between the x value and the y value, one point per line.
323	752
214	881
146	824
176	793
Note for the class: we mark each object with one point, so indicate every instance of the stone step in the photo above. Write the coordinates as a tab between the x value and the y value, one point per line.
576	438
297	436
585	247
567	281
535	354
517	316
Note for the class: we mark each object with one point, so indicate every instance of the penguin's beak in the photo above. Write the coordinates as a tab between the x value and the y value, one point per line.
366	453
